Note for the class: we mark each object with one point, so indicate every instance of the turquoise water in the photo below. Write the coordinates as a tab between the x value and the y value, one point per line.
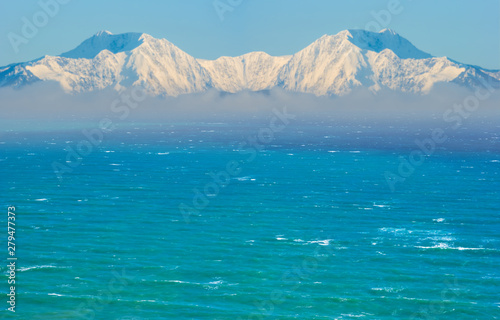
309	229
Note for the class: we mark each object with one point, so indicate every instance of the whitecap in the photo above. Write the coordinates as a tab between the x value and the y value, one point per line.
321	242
176	281
441	238
386	289
394	230
246	178
447	246
39	267
42	199
352	315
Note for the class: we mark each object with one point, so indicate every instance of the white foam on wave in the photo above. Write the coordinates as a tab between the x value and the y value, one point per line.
447	246
211	283
246	178
42	199
441	238
39	267
56	294
179	281
395	230
321	242
414	299
386	289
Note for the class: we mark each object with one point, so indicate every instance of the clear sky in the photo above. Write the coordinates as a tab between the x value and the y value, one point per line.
464	30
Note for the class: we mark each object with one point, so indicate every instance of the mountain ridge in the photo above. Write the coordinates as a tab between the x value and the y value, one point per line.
331	65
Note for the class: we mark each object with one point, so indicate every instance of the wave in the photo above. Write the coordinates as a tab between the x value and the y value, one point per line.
387	289
39	267
320	242
245	178
447	246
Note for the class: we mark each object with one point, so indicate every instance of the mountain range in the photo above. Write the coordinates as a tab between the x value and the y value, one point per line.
331	65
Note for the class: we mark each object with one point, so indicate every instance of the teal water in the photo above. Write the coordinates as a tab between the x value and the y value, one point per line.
309	229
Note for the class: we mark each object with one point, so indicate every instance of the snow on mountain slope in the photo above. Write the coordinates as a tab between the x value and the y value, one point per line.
16	75
121	61
252	71
352	58
165	69
410	75
78	75
331	65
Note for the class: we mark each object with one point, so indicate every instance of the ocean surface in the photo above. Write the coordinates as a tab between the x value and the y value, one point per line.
151	223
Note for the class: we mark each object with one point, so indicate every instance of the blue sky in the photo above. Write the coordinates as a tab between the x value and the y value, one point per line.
467	31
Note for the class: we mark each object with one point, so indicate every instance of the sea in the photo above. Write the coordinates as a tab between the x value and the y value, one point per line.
249	220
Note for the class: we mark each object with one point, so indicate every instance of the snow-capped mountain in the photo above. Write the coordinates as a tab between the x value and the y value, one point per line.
331	65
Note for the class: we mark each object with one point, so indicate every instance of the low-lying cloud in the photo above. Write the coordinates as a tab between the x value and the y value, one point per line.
44	103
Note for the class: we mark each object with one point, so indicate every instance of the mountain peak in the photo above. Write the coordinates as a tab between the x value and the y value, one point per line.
385	39
105	40
103	33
